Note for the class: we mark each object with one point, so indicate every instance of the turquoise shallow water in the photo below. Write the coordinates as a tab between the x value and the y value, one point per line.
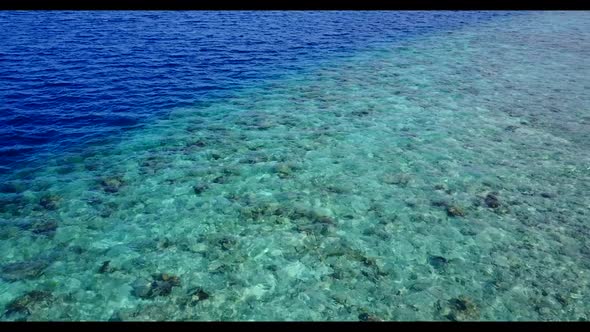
444	178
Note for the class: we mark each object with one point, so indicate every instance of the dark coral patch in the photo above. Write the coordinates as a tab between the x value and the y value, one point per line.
44	227
112	184
50	202
160	285
23	270
492	200
24	304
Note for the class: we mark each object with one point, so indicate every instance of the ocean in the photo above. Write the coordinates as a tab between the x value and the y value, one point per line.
309	165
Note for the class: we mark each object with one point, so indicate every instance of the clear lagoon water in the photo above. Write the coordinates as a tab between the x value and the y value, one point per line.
295	165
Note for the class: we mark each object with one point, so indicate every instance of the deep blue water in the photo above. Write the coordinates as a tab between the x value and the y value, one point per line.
68	78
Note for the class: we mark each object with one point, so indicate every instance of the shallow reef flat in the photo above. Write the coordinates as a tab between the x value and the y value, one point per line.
443	178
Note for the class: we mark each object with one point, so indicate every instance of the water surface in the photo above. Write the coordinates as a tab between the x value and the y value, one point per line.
430	175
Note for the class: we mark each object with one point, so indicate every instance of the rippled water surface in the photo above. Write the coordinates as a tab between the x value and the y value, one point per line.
295	165
95	73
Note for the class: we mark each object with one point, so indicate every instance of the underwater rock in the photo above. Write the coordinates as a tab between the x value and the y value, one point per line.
315	215
361	113
259	209
284	170
24	303
200	187
365	317
160	285
221	179
214	155
440	203
231	170
401	180
460	309
419	286
322	216
169	278
438	262
116	317
49	202
337	188
492	200
171	181
105	212
442	187
200	142
455	211
165	243
112	184
76	249
159	288
411	202
195	295
199	295
152	164
23	270
227	243
142	288
233	196
45	227
511	128
564	301
105	267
